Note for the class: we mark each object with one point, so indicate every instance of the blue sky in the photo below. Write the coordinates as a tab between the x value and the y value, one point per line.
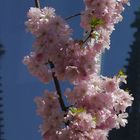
20	88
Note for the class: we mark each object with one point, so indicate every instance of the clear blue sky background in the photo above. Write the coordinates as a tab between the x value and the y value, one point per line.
21	122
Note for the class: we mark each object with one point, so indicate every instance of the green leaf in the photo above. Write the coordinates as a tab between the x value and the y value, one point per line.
95	22
121	73
95	35
77	110
94	119
127	90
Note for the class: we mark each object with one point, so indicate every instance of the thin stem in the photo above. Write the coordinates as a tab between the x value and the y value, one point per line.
57	86
88	36
75	15
37	3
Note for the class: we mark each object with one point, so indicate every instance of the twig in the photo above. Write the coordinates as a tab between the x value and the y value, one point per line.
57	86
88	36
75	15
37	3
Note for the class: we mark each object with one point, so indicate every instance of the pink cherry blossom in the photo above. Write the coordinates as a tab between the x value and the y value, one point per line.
95	104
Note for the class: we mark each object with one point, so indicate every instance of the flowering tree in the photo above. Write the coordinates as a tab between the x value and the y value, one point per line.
96	104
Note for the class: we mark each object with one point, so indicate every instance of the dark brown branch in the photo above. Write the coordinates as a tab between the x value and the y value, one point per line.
37	3
73	16
57	86
90	34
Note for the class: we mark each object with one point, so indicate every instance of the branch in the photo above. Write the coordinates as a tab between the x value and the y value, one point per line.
75	15
56	82
37	3
88	36
58	89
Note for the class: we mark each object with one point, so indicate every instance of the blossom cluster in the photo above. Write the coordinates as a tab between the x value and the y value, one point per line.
54	43
96	104
105	14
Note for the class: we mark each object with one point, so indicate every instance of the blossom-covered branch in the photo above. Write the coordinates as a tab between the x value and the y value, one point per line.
56	82
97	104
